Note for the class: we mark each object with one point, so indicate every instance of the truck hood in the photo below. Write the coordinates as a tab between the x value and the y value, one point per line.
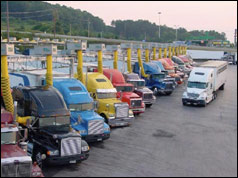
86	115
129	95
61	135
11	153
108	101
144	90
195	90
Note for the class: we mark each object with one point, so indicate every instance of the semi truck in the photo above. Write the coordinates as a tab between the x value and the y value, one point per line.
51	140
204	82
140	89
83	119
156	80
14	159
115	112
125	91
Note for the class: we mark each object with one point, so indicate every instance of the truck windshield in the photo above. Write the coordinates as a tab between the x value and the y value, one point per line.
198	85
62	121
124	88
106	95
81	107
139	83
158	76
8	137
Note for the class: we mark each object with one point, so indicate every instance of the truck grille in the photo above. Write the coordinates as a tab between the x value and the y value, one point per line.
16	170
168	85
148	96
122	111
71	146
136	103
95	127
193	95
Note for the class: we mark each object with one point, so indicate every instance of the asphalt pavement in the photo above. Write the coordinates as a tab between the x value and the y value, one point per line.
169	139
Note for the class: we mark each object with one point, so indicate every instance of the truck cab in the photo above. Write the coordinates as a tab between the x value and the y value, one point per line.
43	112
181	65
125	90
156	80
171	71
14	160
84	119
115	112
140	89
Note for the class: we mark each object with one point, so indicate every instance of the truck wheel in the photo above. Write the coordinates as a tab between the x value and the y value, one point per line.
222	87
148	105
168	93
105	118
184	103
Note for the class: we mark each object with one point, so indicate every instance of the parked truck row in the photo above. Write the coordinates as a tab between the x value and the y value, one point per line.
59	113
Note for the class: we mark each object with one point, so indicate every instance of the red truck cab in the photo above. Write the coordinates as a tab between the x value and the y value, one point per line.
14	160
125	90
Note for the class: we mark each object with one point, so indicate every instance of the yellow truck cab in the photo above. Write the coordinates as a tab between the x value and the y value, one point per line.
115	112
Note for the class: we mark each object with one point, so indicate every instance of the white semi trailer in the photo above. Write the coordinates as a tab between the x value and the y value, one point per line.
204	82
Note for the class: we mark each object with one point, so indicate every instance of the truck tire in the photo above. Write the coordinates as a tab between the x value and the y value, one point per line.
222	87
168	93
148	105
105	118
184	103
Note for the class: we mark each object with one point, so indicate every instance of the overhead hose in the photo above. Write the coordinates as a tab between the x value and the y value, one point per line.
49	74
100	70
115	60
129	60
140	63
6	94
147	59
80	66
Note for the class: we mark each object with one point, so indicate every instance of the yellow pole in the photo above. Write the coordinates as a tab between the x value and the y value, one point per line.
180	50
100	70
49	74
5	85
185	50
80	65
147	59
170	55
140	63
177	51
129	60
160	53
154	53
115	59
173	51
165	52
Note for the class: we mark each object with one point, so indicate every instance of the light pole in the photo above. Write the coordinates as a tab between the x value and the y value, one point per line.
176	26
159	23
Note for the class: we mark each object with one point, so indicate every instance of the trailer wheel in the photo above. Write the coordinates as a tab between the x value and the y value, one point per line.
148	105
222	87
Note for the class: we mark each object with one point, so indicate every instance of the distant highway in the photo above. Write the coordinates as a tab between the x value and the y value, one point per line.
117	41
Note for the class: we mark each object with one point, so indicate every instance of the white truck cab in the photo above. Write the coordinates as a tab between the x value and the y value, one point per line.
204	81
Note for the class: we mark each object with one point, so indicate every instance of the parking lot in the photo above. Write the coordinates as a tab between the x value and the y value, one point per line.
169	139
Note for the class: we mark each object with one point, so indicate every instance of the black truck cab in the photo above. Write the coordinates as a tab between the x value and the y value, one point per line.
50	139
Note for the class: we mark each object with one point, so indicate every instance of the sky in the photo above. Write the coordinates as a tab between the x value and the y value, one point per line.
191	15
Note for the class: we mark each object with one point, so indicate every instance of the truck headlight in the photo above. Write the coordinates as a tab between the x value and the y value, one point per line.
53	153
85	148
107	129
111	115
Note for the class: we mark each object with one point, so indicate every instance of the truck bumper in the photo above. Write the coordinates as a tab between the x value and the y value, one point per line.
56	160
120	122
138	110
152	101
96	138
193	101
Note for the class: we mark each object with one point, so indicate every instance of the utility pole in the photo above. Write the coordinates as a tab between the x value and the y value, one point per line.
88	27
235	38
176	34
54	20
7	23
159	24
70	29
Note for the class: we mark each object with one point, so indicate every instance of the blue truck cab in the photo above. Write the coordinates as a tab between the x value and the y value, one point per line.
157	80
84	119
